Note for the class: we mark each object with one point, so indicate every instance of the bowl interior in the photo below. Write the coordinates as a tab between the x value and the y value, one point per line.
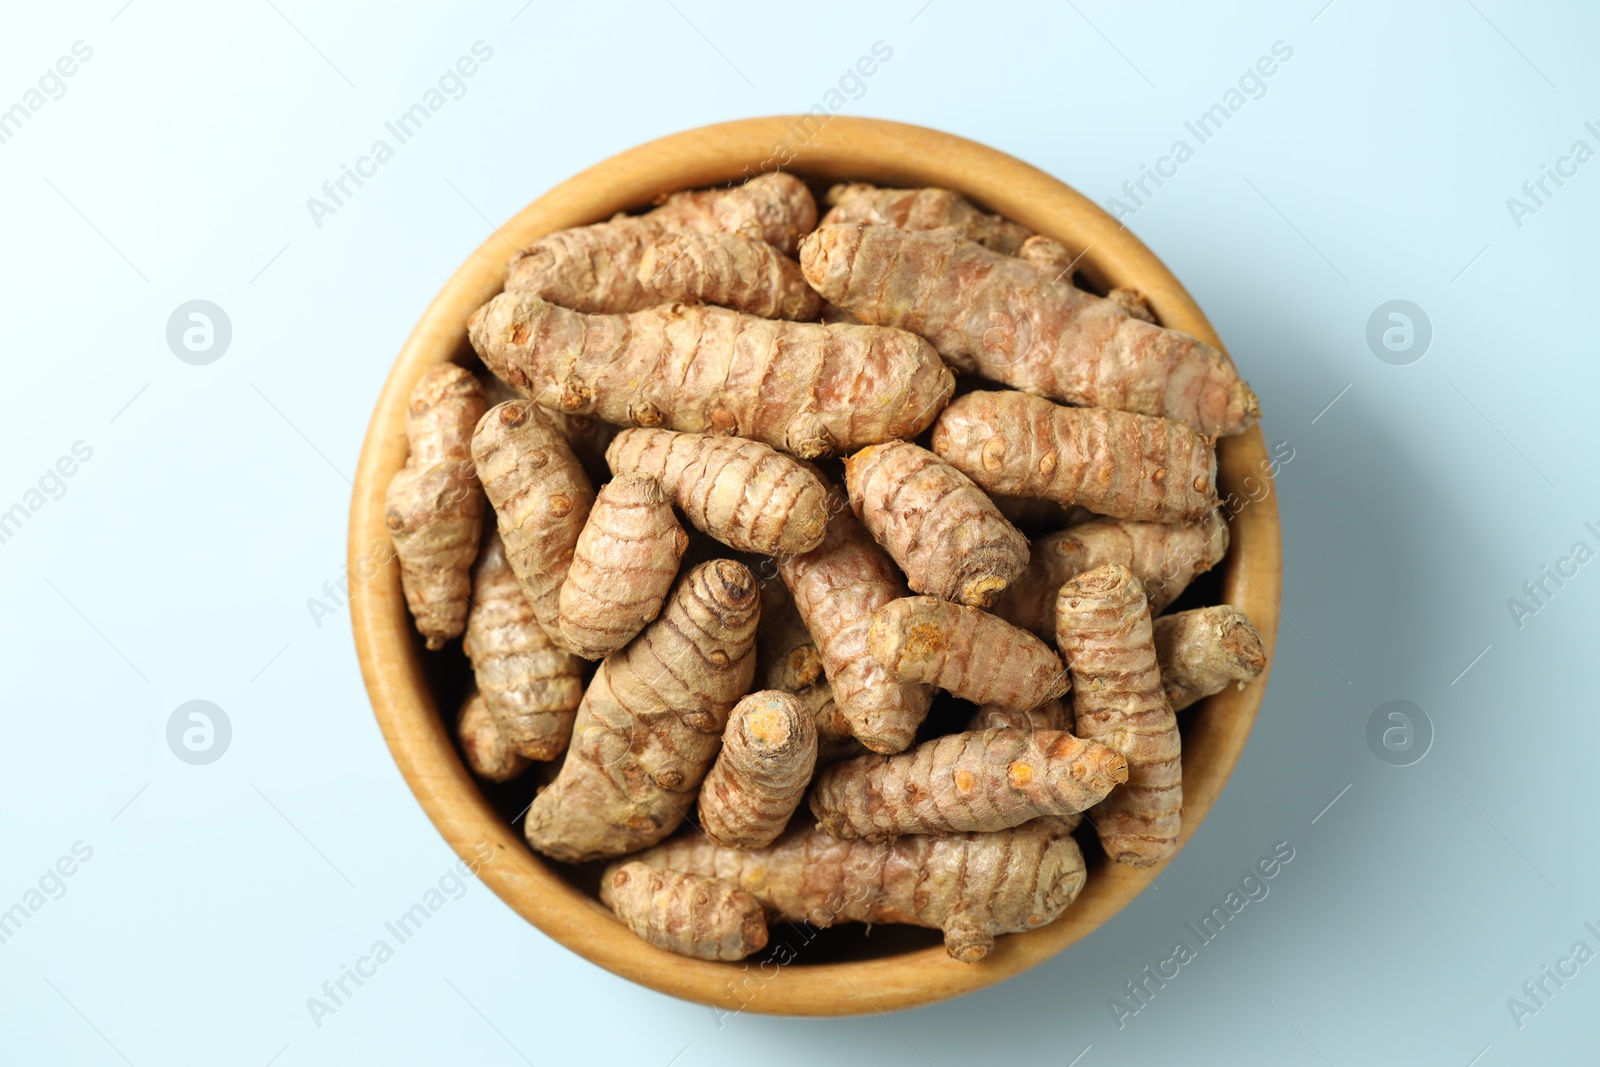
829	972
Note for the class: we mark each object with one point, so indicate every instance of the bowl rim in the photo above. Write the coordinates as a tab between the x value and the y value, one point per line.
831	148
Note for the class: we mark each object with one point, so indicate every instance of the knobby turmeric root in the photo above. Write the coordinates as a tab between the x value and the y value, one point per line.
485	750
836	587
1048	254
727	269
946	535
788	660
529	687
769	750
541	498
923	209
1051	715
974	887
1056	258
623	565
776	208
743	493
651	721
434	506
705	918
1103	630
596	268
804	387
1164	557
1112	462
1203	651
1013	322
965	782
967	652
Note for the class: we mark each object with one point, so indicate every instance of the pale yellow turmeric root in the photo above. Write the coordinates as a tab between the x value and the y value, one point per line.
789	660
743	493
703	918
803	387
965	782
1163	556
967	652
597	268
769	750
652	721
1057	259
923	209
623	564
1014	322
1051	715
1204	651
946	535
973	887
837	586
1114	463
1103	629
730	270
530	688
776	208
541	498
482	745
434	506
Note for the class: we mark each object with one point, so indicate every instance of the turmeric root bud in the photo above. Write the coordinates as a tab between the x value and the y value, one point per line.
965	651
483	747
974	887
434	505
975	782
1203	651
703	918
768	752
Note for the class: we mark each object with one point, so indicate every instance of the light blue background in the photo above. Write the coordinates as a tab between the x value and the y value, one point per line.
178	563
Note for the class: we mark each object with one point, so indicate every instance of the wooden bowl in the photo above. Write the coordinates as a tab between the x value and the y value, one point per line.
410	691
